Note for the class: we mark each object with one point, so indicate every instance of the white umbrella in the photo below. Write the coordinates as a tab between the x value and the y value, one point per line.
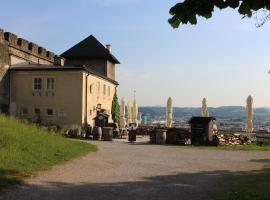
205	112
249	115
122	113
169	113
129	109
135	112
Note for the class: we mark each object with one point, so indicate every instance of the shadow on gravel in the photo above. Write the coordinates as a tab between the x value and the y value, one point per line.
9	178
183	186
266	161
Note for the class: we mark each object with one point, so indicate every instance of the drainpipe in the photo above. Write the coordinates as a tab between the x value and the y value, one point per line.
85	113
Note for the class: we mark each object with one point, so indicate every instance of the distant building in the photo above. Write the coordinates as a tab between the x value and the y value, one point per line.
41	87
145	119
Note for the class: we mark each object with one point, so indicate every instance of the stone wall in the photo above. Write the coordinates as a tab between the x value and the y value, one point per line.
14	50
4	55
26	50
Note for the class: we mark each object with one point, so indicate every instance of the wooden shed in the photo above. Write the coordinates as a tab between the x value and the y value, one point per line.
201	130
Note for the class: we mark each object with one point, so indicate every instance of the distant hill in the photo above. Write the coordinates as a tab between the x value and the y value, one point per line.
224	112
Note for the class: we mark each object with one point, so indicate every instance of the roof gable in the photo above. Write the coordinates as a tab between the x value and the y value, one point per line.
90	47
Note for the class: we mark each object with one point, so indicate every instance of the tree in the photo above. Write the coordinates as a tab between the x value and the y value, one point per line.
115	109
187	11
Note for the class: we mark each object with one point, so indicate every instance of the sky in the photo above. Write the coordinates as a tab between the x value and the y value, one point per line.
224	59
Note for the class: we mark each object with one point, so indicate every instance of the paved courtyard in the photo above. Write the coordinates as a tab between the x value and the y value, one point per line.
124	171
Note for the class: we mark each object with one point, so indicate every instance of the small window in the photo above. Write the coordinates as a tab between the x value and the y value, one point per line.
109	90
90	112
24	111
61	113
91	88
37	85
50	83
98	87
37	111
104	89
49	112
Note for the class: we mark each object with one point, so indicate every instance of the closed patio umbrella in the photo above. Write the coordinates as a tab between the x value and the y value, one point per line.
129	109
249	114
169	113
205	112
135	112
122	113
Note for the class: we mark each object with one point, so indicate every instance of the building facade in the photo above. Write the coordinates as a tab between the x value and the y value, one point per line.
65	90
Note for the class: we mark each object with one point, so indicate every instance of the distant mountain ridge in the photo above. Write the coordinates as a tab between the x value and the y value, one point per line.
223	112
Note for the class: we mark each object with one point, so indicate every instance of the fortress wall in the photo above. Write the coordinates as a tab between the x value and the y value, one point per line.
14	50
26	50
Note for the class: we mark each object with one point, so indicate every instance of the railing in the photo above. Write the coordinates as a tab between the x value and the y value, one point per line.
263	138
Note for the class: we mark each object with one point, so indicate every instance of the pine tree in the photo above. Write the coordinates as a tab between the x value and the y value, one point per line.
115	109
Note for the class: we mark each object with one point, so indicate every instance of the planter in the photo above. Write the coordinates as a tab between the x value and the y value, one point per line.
107	133
97	133
160	136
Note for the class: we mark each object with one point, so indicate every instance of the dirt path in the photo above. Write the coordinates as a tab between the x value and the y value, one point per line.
124	171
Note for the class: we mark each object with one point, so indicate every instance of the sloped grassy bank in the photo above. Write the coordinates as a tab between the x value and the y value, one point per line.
25	149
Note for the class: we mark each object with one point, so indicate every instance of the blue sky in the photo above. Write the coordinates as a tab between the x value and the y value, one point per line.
224	59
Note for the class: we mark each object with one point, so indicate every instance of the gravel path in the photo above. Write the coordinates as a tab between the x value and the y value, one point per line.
124	171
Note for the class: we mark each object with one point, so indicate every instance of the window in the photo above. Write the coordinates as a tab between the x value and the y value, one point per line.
98	87
37	85
49	111
109	90
24	111
50	83
37	111
61	113
91	88
90	112
104	89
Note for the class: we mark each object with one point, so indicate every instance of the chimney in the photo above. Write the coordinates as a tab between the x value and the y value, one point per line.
109	47
60	61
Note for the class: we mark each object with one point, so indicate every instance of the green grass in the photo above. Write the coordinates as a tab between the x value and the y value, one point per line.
25	149
250	147
253	185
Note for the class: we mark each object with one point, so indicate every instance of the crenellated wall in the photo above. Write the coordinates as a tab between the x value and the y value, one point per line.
26	50
14	50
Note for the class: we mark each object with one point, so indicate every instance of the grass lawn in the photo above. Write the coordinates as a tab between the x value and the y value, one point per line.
251	147
253	185
25	149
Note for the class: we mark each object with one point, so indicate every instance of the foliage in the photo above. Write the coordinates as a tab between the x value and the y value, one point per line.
26	148
187	11
115	109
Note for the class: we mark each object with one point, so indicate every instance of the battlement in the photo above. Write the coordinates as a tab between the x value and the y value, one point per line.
1	35
25	46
